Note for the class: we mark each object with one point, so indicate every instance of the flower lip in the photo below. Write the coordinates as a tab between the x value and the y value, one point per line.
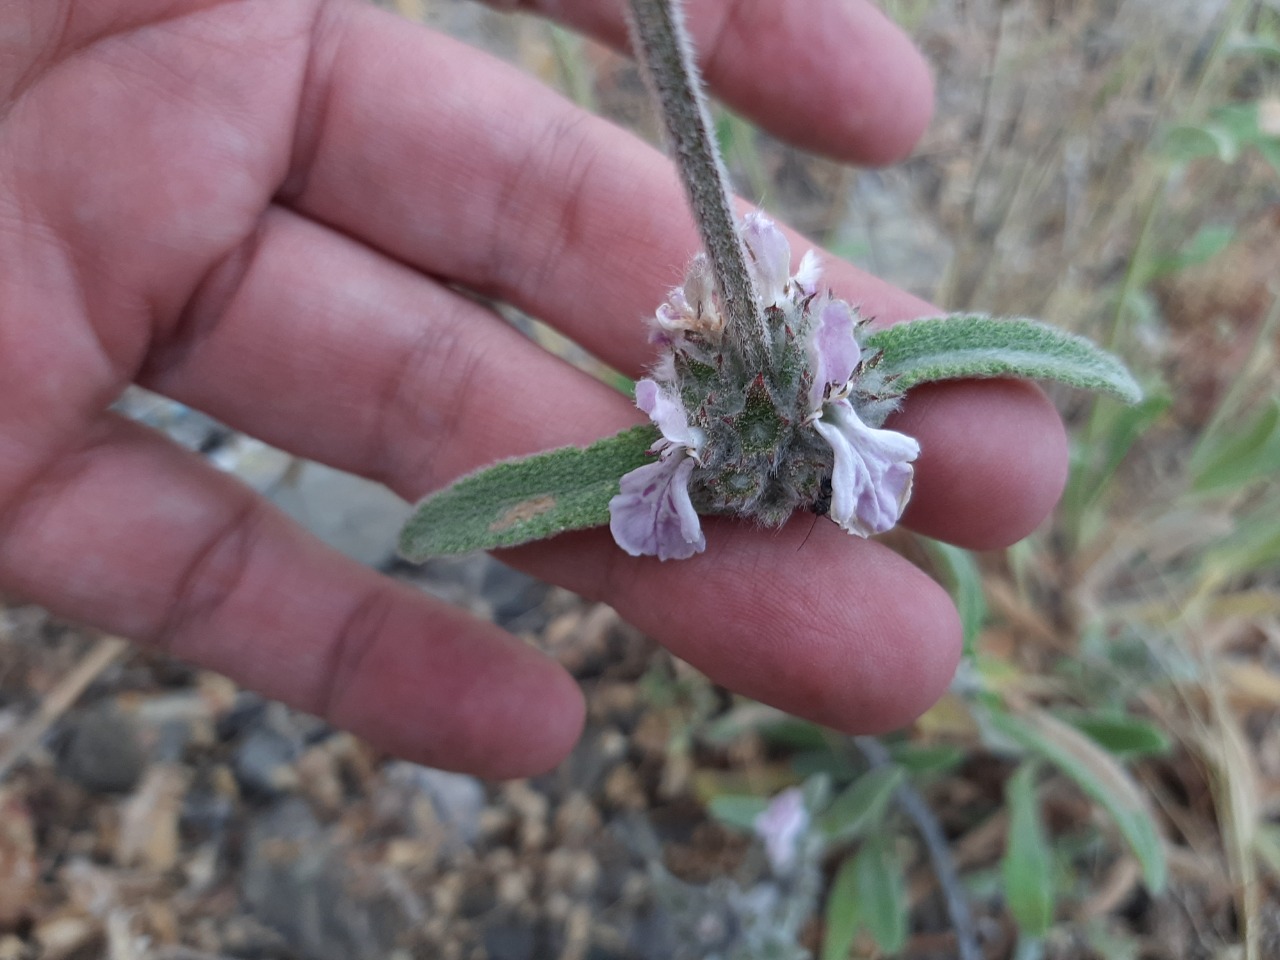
872	477
808	274
652	514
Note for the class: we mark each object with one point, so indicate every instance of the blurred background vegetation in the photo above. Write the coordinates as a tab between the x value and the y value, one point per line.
1106	768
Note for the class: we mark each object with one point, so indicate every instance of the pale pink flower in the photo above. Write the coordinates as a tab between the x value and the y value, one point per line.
652	514
872	475
781	826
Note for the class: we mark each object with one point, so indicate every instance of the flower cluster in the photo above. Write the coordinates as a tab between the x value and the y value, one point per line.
795	425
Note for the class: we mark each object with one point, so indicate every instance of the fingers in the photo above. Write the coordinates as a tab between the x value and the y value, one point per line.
139	538
838	630
993	460
833	76
319	345
487	179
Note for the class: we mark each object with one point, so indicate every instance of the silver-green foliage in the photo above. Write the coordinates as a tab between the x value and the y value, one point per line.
975	345
527	499
518	501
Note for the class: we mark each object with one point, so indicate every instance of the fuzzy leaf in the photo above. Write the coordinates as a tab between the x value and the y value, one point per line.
960	567
882	893
738	810
862	805
1099	775
1122	735
974	345
1224	461
1027	867
532	498
841	912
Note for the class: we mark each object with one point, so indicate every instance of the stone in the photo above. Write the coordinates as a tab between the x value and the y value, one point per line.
328	899
459	800
102	749
263	762
356	516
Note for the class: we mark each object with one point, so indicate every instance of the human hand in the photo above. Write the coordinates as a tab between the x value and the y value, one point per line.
260	209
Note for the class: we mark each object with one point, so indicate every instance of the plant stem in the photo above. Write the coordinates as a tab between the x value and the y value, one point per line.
663	47
935	842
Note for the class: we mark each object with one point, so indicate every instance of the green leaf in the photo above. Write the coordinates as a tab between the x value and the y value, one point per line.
869	892
1028	861
1241	121
966	587
1191	142
1208	242
737	809
796	734
839	767
882	893
1255	544
841	912
861	805
1099	775
1119	428
921	758
1231	460
528	499
1122	735
974	345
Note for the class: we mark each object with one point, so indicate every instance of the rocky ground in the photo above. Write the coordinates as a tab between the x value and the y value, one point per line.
167	814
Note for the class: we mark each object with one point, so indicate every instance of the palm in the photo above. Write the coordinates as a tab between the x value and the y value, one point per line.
259	208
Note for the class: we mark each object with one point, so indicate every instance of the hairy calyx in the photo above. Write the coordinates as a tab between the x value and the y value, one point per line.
794	426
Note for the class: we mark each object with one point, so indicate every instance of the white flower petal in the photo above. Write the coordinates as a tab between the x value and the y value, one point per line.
809	274
665	409
652	514
871	479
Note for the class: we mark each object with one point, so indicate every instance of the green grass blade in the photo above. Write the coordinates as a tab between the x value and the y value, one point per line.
1254	545
532	498
974	345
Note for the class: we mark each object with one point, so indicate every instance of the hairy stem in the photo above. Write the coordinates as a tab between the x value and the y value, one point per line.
663	47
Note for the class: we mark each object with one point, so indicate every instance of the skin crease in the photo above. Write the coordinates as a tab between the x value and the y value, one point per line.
237	204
